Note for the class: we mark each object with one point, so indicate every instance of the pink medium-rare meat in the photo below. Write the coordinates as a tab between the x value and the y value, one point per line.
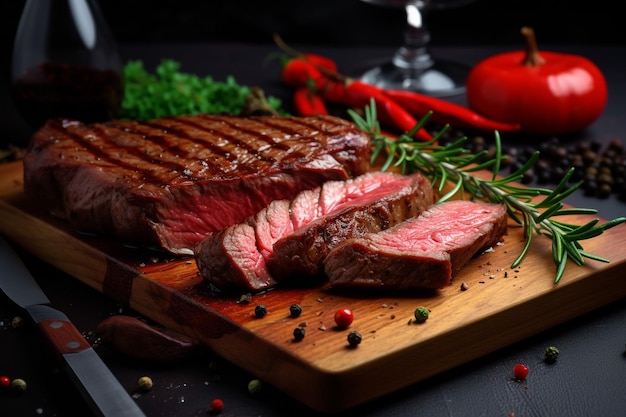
375	207
420	253
234	258
170	182
238	257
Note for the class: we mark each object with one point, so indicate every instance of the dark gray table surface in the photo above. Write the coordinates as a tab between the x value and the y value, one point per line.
588	379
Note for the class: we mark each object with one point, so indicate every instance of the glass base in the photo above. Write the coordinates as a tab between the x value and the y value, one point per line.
441	79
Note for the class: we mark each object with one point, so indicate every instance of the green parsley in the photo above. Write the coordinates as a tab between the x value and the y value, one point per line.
171	92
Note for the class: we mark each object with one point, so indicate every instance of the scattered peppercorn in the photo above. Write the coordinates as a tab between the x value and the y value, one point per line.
254	386
18	385
601	169
145	383
344	318
354	338
298	333
5	381
520	371
17	322
421	314
217	406
551	354
295	310
260	311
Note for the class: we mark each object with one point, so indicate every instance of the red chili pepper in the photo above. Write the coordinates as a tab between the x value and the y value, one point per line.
297	73
359	95
306	69
307	103
321	62
447	112
330	90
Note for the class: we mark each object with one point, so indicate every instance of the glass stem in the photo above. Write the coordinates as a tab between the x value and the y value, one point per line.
414	55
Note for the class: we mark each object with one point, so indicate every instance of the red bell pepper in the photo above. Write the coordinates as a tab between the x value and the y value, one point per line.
547	93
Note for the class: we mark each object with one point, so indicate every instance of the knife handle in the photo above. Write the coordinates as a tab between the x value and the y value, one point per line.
60	332
91	376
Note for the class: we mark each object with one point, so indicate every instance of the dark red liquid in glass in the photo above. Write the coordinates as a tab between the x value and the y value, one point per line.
52	90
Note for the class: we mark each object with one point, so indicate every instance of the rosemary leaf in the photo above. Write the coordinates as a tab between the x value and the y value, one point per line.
452	167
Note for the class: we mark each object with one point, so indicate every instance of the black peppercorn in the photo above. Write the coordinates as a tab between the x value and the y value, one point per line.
295	310
601	167
260	311
298	333
354	338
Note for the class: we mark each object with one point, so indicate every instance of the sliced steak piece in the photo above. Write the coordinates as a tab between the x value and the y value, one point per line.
234	258
172	181
238	257
374	208
421	253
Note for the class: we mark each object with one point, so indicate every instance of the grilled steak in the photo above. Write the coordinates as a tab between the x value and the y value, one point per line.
242	255
171	182
421	253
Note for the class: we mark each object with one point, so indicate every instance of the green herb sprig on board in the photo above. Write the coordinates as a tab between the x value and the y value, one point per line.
171	92
534	209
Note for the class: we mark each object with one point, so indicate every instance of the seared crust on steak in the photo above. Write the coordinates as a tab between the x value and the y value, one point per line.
171	182
421	253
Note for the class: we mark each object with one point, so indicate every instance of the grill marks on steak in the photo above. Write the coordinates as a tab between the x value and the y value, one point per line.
172	181
244	255
421	253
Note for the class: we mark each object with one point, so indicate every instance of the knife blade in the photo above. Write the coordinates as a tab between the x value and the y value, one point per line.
102	391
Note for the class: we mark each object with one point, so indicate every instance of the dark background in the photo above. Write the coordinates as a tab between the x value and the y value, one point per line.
346	21
327	23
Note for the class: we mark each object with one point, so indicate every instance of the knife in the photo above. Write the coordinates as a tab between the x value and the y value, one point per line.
96	383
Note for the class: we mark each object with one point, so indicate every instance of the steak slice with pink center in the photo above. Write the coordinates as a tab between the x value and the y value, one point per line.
421	253
239	257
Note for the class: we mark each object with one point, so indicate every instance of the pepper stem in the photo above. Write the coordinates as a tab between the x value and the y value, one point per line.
532	58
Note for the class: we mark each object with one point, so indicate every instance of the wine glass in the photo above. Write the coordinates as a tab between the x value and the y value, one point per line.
412	67
65	63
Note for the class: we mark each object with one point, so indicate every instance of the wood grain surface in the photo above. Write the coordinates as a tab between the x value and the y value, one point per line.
501	306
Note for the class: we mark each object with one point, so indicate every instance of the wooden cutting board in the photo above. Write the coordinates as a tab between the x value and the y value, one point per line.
500	306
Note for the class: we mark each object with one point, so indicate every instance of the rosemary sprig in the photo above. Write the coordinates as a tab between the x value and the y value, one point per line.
534	209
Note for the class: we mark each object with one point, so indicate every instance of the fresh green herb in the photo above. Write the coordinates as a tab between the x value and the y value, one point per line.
533	208
170	92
